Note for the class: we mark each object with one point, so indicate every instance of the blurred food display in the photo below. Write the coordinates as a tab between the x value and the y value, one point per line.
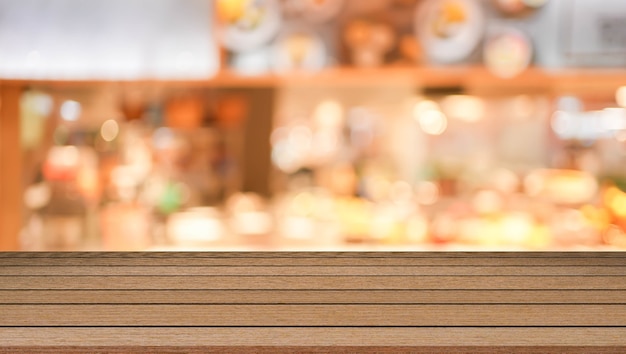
315	125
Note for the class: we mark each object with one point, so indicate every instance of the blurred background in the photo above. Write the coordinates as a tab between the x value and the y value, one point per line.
313	125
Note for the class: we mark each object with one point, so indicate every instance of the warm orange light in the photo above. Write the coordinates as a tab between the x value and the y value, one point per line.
620	96
109	130
231	10
433	122
464	108
328	114
561	186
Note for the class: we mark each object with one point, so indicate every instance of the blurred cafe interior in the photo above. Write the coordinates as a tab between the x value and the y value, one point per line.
313	125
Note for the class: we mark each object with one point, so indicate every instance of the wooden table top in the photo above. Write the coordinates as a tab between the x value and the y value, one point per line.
313	302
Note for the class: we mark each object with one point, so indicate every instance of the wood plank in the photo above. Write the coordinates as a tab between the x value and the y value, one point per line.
309	271
313	282
316	350
313	315
490	300
313	261
332	336
312	297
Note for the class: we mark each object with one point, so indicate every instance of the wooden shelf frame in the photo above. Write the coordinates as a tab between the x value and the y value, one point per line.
471	79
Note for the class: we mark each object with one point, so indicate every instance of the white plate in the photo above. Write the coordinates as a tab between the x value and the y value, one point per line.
452	36
258	24
507	52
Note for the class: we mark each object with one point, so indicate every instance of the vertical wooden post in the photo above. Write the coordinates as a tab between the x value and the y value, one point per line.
257	152
10	168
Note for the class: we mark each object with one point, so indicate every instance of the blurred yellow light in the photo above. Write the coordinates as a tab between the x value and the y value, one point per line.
417	229
424	106
297	227
471	230
464	108
620	96
189	227
433	122
87	182
354	215
517	227
596	217
611	192
383	223
303	204
252	223
539	237
561	186
231	10
64	156
492	233
109	130
618	205
245	202
328	114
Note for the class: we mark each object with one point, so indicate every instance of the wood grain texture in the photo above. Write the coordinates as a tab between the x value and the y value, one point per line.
325	336
520	282
313	302
317	261
488	315
311	270
279	259
312	296
314	350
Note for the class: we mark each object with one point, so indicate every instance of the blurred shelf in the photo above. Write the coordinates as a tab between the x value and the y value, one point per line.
472	79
